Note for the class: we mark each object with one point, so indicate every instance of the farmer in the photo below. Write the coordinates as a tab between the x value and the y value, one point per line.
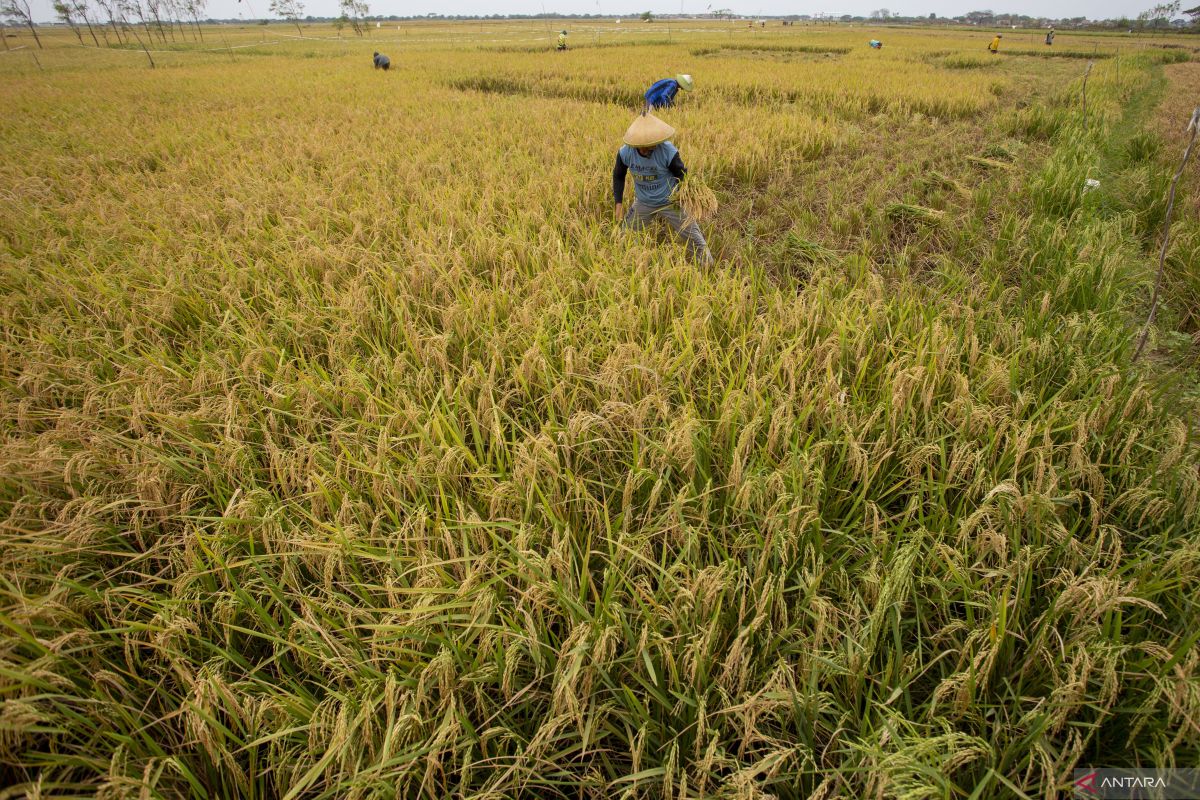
994	47
382	62
1050	37
662	93
657	170
875	44
562	40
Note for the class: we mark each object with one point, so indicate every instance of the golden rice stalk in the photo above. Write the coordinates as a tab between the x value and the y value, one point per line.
698	201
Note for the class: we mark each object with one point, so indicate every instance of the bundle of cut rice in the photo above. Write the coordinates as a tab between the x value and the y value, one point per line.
946	182
904	212
988	163
698	201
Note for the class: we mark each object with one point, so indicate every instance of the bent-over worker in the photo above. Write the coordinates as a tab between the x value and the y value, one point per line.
994	47
382	62
657	169
661	94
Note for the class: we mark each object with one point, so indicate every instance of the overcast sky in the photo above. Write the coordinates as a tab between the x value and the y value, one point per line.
1093	9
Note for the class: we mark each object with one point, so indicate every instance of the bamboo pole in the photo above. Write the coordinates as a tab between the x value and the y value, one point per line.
1193	126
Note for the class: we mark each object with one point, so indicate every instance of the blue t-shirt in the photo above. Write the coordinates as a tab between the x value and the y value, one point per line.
662	93
652	181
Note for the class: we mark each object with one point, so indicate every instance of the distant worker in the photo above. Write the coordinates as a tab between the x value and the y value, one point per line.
1050	37
382	62
662	93
994	47
562	40
875	44
657	169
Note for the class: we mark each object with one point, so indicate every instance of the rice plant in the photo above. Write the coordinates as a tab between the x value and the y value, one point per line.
349	450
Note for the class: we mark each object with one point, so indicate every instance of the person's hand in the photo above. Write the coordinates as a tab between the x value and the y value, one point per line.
618	211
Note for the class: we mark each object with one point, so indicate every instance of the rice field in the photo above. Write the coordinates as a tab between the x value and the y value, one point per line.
348	449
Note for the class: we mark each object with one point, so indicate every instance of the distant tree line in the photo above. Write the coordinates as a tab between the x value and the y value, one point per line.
117	20
164	20
1164	15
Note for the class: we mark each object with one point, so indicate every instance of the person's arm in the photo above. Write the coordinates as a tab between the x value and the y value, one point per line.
676	167
619	170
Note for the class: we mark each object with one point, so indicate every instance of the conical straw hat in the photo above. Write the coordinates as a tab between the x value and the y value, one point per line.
648	130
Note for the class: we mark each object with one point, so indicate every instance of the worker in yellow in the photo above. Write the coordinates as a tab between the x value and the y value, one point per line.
657	169
562	40
994	47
